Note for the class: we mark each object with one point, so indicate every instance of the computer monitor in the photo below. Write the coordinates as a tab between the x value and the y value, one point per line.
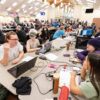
22	67
87	32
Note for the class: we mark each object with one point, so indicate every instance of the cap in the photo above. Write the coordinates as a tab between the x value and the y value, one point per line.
95	42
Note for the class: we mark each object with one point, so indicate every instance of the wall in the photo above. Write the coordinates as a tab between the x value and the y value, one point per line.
53	13
79	12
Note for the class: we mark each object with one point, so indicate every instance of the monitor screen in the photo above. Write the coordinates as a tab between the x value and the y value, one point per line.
87	32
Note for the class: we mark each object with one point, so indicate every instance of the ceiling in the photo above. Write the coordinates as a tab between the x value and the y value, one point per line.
32	7
88	3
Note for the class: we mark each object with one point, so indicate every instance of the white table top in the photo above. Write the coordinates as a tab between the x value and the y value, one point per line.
6	79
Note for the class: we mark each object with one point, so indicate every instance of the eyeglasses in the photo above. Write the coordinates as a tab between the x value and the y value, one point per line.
14	39
32	36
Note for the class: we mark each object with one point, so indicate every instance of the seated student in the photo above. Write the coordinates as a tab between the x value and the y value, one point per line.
92	45
12	50
44	34
21	35
32	43
60	32
98	33
69	29
2	37
90	87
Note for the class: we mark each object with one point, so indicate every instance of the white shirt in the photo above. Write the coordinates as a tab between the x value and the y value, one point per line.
13	52
33	44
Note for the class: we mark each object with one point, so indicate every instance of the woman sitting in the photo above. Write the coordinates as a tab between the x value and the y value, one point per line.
32	43
90	87
92	46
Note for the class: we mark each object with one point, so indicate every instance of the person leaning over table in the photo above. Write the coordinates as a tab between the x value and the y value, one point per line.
11	50
32	43
90	87
92	46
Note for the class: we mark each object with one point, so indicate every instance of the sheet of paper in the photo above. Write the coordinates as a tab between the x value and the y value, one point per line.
64	78
79	50
58	43
27	58
51	56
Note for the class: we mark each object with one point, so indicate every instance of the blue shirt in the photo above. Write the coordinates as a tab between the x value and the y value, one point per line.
58	34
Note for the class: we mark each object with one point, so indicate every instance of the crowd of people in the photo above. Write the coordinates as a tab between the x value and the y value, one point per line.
30	38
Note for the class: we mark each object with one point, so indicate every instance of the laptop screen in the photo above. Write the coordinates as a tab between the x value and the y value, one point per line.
22	67
87	32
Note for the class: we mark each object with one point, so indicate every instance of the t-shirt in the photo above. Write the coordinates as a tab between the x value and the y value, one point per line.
13	52
33	44
58	34
88	90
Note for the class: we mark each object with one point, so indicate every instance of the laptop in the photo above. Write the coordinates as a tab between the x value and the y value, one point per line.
46	48
21	68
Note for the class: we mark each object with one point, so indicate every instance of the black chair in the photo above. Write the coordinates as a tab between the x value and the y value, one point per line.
2	37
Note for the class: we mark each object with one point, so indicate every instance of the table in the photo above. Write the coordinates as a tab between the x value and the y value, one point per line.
43	83
7	79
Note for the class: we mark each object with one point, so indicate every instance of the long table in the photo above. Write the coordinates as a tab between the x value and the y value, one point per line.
41	66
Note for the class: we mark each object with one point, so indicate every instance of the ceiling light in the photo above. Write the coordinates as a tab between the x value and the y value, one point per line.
14	4
9	9
37	3
36	8
23	6
46	7
30	8
79	1
25	11
2	1
92	1
17	10
29	1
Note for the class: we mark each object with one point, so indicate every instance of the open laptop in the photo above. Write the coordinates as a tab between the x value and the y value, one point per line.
46	48
22	67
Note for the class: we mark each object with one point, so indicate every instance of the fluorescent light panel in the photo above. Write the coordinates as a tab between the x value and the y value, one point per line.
2	1
14	4
30	8
17	10
92	1
9	9
29	1
23	6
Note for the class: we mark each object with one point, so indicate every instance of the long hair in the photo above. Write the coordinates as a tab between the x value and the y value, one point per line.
94	60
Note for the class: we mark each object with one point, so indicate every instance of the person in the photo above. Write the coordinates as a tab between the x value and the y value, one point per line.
44	34
11	50
2	37
98	33
21	35
60	32
38	24
92	45
90	87
33	43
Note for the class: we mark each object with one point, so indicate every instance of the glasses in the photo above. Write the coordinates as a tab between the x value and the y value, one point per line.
14	39
32	36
